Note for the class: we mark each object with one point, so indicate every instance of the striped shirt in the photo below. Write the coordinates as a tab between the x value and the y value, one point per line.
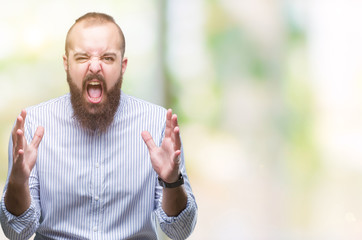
93	185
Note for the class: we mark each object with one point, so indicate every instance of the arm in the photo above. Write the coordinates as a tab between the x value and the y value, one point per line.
179	210
166	162
17	199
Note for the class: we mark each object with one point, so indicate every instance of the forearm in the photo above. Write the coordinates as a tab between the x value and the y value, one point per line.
180	226
174	200
17	197
19	213
23	156
18	224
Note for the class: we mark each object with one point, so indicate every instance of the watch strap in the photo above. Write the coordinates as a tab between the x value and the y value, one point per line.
164	184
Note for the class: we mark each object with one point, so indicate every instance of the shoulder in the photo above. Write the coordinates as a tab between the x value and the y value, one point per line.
53	104
44	111
136	106
144	105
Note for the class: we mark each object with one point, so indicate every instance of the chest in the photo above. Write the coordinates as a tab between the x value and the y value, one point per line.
75	167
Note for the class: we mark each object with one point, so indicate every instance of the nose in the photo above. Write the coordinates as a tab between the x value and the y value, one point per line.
95	66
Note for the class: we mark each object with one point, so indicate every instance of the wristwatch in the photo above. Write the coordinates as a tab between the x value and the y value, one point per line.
164	184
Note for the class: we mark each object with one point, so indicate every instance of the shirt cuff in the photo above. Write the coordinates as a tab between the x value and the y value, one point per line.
181	226
17	223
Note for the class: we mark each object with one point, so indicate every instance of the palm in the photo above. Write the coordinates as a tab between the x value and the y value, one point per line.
165	159
24	154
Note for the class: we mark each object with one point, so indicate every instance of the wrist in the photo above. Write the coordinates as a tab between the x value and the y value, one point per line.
174	184
17	197
18	182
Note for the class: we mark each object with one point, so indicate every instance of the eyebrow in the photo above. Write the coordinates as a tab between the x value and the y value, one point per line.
80	54
105	54
110	54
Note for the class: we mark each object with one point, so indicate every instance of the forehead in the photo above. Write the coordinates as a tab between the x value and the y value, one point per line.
95	38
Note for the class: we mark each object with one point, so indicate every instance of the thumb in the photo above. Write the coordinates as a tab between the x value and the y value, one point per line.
147	138
38	136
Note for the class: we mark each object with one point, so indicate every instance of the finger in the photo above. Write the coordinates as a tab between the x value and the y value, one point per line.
168	129
19	147
23	116
147	138
176	138
20	120
19	123
174	122
176	132
19	140
17	126
18	134
38	136
14	135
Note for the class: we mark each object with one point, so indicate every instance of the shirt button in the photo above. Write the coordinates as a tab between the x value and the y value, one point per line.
95	229
96	198
97	165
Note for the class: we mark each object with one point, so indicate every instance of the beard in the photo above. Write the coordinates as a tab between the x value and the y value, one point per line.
95	116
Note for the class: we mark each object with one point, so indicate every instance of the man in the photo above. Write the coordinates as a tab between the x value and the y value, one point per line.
96	163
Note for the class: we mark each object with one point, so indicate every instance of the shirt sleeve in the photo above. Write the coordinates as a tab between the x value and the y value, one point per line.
25	225
181	226
19	227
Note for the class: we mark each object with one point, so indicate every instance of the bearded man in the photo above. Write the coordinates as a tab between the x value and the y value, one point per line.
96	163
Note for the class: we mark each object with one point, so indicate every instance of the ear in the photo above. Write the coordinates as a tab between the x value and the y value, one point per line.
65	62
124	64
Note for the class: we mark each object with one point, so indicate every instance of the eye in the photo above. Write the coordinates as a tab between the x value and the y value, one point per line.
81	59
108	59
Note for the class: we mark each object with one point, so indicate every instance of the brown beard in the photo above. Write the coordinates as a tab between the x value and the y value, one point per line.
102	115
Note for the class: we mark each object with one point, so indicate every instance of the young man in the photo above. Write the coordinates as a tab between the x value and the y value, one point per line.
96	163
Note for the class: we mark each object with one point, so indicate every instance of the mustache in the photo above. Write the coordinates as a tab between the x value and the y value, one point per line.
90	77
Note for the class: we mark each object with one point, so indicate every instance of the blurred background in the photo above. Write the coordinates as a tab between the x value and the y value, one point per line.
267	92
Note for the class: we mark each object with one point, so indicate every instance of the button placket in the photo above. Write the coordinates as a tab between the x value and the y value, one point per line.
97	185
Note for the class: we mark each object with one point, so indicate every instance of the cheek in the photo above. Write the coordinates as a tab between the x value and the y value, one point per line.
112	77
78	74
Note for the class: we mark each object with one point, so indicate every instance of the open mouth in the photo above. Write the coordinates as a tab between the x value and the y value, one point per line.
95	91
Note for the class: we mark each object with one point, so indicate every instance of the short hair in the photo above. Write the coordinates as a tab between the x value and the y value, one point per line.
95	18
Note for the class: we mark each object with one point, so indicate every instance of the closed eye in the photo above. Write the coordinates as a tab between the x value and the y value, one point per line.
80	59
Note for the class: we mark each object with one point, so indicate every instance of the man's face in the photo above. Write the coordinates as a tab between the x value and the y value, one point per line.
94	67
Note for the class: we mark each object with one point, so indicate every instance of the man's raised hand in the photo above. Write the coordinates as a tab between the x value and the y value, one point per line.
166	158
17	197
24	154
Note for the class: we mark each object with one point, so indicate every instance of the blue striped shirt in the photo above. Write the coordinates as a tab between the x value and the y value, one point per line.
88	185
